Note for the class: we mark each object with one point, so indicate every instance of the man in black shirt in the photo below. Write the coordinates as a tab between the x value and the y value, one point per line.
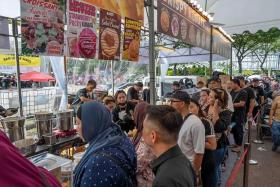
85	94
133	92
175	87
259	96
160	132
239	98
250	103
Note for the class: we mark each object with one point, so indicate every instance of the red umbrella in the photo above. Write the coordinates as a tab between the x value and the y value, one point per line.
36	77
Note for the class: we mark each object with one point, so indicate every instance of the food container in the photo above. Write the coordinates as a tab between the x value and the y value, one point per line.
14	127
50	139
67	175
65	120
26	146
51	162
44	122
77	158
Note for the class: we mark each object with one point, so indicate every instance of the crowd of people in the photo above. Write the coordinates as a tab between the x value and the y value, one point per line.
184	143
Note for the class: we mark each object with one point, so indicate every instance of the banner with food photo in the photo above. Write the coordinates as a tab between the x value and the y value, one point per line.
131	44
81	29
179	20
42	27
133	9
109	35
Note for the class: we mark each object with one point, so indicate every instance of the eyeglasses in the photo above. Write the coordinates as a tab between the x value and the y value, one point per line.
174	101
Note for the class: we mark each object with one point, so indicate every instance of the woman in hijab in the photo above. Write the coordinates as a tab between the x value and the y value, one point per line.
110	159
144	172
16	170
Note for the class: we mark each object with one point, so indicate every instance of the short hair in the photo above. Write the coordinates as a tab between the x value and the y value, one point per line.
139	84
206	90
222	97
200	82
108	99
240	77
182	96
236	81
176	83
92	82
118	93
214	79
168	121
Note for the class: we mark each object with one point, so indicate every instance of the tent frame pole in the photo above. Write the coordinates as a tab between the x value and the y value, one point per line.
211	53
15	35
152	53
230	68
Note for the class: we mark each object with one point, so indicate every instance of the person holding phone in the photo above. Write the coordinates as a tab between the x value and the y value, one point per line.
220	116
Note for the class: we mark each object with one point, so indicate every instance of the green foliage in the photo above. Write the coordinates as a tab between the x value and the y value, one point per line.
261	44
244	44
269	42
184	70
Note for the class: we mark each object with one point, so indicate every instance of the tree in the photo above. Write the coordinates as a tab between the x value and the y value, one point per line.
244	44
269	42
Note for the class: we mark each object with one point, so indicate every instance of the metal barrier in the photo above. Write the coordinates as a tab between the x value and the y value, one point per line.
34	100
244	159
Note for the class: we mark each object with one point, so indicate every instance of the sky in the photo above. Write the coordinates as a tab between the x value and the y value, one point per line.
10	8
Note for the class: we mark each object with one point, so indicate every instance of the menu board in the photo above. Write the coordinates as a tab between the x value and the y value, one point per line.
131	44
221	45
179	20
81	29
4	29
133	9
109	35
42	27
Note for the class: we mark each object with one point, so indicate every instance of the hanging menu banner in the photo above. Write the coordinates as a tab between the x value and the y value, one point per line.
109	35
179	20
221	45
133	9
81	29
131	44
4	29
42	27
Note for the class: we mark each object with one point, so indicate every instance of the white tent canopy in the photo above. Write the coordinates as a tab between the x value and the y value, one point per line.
180	56
240	15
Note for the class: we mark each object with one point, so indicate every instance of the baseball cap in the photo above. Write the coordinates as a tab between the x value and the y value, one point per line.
181	95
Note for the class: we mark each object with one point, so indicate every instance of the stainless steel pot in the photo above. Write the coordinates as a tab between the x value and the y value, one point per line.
26	146
44	122
14	127
65	120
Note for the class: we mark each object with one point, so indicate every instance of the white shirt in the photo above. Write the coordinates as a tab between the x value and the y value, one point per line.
230	103
192	137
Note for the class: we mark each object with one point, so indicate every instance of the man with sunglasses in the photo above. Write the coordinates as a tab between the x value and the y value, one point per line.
192	134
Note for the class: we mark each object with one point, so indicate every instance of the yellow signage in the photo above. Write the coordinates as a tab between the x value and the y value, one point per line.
9	60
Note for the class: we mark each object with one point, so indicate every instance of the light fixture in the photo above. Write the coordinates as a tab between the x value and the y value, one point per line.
197	6
195	2
200	9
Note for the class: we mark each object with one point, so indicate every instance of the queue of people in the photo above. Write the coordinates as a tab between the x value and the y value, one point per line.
133	143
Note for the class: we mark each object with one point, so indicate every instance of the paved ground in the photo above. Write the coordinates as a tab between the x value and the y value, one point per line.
265	174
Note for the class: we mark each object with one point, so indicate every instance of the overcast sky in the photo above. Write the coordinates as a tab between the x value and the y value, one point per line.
10	8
